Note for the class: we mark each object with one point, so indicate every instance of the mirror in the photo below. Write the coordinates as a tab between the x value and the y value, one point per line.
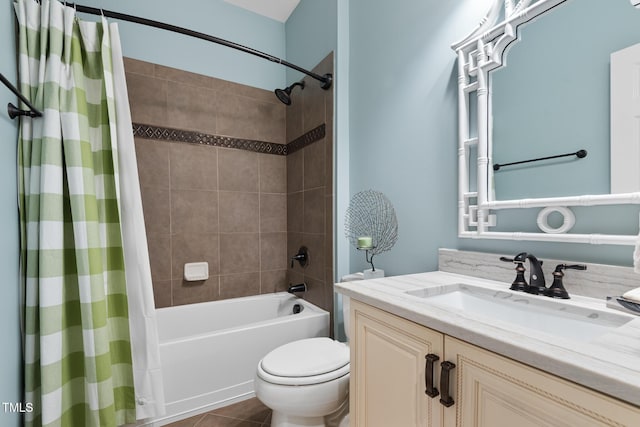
551	98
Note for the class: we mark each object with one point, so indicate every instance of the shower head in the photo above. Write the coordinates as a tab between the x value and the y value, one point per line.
284	95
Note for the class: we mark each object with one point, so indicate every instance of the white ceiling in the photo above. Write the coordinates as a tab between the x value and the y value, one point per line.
274	9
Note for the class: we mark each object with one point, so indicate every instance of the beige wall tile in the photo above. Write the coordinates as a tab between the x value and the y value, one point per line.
315	292
295	212
153	162
239	212
255	192
237	170
191	107
239	253
294	278
244	117
314	217
294	117
239	285
156	208
314	169
148	99
316	265
139	67
193	166
193	292
294	242
181	76
194	211
273	173
313	109
273	281
194	248
273	212
328	162
232	88
295	171
273	251
160	256
328	232
162	293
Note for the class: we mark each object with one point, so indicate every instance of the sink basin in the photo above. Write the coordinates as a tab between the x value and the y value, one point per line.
537	313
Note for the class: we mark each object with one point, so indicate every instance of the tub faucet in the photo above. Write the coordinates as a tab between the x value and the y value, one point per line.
301	287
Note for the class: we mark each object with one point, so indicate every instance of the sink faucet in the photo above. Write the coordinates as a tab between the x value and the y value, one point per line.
537	284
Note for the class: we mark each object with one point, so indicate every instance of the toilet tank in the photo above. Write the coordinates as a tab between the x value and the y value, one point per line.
346	301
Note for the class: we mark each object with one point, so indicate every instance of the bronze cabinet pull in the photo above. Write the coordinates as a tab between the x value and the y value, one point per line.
430	391
446	399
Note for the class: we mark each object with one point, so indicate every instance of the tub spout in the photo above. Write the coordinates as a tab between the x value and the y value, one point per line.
301	287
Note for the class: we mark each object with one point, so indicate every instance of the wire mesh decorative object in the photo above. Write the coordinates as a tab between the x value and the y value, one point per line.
370	223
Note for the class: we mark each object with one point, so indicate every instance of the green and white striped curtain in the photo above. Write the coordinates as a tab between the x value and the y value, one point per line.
78	357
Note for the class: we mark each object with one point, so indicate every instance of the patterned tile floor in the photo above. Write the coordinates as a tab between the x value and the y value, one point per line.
248	413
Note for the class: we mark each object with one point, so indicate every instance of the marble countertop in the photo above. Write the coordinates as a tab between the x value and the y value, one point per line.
609	363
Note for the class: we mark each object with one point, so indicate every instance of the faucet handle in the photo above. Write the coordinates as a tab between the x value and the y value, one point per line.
557	290
519	283
302	256
574	267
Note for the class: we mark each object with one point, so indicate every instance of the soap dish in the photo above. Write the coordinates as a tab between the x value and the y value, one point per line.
624	304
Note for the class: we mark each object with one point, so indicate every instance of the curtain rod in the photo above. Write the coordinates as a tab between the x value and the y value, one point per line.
325	80
15	111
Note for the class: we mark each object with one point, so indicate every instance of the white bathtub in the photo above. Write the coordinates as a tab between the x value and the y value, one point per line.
210	351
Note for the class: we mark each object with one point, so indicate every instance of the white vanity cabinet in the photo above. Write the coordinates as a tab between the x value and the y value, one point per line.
388	383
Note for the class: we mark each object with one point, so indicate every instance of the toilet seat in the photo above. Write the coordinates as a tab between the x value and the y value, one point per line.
305	362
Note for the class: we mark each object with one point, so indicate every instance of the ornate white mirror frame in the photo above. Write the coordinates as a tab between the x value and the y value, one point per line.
478	54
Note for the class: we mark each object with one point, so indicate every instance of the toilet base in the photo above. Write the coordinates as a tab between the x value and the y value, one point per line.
278	419
339	418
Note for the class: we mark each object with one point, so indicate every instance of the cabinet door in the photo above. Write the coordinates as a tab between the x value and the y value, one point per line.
493	391
387	386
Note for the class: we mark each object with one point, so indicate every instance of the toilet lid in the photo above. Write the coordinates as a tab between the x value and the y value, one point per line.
307	357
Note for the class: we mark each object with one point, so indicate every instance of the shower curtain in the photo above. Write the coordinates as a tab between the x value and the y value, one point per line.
90	340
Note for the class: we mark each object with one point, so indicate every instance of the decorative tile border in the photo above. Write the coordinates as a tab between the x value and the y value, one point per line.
191	137
308	138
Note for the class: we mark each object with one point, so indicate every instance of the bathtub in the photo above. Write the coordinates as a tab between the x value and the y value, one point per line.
210	351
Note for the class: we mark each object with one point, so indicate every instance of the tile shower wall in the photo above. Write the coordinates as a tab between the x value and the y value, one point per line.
202	203
310	188
243	212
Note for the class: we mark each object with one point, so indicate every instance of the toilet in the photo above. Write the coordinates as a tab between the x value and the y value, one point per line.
306	382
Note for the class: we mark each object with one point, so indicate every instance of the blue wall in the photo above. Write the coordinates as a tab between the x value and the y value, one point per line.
403	134
311	34
213	17
10	346
403	131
